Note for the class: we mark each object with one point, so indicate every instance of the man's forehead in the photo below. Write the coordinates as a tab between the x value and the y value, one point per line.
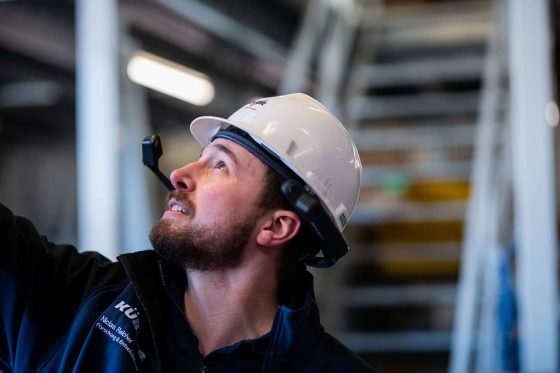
238	152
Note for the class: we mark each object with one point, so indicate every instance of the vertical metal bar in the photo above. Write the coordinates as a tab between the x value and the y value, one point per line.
335	54
487	356
295	77
137	213
97	125
533	176
477	232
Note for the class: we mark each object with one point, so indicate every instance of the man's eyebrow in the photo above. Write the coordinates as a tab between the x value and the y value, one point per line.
228	152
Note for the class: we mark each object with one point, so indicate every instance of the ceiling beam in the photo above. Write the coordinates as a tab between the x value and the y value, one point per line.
38	36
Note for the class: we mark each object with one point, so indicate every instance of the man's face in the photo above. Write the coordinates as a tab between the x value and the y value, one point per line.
212	214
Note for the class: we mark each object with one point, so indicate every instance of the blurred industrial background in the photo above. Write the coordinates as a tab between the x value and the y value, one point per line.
452	103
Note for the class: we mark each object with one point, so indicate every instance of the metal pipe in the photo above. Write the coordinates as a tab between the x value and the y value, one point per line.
533	180
97	127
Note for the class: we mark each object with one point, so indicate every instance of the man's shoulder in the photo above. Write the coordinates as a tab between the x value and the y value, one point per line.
139	256
139	261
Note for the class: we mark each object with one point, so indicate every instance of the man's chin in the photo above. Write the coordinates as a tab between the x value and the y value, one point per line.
162	239
198	248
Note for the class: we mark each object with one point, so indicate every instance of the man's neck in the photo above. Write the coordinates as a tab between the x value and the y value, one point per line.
229	306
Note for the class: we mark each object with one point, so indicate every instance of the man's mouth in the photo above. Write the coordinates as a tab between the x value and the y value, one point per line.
178	209
178	201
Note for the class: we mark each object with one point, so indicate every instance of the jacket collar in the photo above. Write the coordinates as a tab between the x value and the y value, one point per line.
146	278
296	320
296	325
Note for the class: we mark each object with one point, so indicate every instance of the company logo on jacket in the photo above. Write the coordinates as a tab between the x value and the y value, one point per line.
128	310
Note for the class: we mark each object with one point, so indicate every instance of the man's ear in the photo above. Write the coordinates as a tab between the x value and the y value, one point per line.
279	227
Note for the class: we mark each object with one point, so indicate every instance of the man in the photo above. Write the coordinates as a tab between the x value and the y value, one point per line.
226	288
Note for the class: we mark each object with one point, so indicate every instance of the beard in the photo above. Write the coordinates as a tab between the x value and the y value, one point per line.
202	248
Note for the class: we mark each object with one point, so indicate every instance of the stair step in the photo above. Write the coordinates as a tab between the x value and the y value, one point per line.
395	191
421	136
439	190
426	71
424	104
399	295
412	14
442	34
424	341
399	318
436	23
403	260
416	156
402	272
376	175
375	212
405	232
416	252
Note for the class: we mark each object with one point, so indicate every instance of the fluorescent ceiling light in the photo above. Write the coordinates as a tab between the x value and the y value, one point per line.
170	78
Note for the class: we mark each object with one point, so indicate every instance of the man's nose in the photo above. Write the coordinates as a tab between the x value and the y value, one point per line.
182	178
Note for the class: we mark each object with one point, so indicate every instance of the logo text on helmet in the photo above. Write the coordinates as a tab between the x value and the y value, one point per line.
255	104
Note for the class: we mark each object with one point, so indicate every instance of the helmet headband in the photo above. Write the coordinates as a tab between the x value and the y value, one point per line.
245	140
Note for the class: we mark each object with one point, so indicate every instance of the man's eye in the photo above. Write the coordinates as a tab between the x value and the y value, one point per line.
222	166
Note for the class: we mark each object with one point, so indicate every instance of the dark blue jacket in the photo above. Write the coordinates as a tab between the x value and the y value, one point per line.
64	311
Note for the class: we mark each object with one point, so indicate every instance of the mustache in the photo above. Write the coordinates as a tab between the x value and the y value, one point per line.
182	197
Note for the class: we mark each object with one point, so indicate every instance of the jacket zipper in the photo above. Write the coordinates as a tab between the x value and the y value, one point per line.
203	368
161	275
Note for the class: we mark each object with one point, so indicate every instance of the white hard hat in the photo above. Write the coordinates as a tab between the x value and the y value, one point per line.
307	138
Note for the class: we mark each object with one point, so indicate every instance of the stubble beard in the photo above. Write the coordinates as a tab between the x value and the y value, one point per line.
201	248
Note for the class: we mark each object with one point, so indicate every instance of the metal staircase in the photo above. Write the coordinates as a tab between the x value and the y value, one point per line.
411	102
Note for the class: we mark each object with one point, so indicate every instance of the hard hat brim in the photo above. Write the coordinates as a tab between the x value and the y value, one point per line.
204	128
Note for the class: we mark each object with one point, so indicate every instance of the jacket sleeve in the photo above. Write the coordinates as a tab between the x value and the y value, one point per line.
42	285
